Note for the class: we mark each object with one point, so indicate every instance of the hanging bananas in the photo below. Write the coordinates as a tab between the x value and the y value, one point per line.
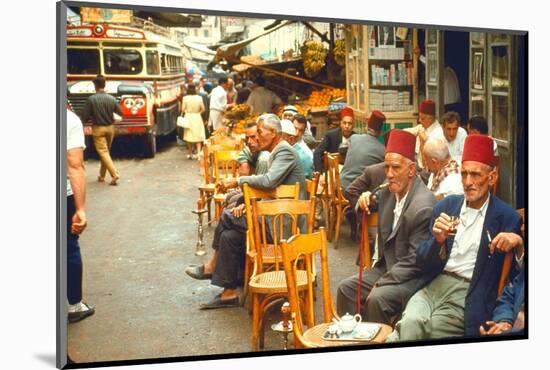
340	52
313	56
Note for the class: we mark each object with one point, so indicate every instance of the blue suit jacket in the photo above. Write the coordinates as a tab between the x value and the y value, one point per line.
482	293
509	303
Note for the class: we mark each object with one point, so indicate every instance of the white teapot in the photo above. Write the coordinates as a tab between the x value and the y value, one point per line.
347	322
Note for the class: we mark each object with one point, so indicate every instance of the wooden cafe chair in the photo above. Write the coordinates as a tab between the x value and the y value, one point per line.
281	217
338	203
305	247
268	253
224	167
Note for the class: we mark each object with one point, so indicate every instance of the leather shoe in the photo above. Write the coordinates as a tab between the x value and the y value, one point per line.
197	272
217	302
81	315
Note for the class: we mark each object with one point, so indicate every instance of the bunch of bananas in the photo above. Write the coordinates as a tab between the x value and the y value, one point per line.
340	52
313	55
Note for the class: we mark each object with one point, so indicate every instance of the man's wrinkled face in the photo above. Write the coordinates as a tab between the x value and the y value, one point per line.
346	124
291	139
450	130
266	136
399	172
477	178
252	139
426	119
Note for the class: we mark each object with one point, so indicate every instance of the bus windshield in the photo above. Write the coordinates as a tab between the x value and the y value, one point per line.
122	61
83	61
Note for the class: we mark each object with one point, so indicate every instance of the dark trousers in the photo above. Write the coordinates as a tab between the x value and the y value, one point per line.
230	242
74	260
382	304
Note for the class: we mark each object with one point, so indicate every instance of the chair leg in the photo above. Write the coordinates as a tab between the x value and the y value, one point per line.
246	278
256	313
337	226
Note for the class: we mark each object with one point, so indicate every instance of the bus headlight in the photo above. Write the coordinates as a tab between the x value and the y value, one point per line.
139	102
129	103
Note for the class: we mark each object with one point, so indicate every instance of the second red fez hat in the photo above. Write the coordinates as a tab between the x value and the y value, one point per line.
401	142
346	112
427	107
376	120
479	148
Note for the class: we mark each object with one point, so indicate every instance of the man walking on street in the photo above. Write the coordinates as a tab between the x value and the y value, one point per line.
100	108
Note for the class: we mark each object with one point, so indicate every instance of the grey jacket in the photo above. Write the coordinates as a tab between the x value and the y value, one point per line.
285	168
397	248
363	150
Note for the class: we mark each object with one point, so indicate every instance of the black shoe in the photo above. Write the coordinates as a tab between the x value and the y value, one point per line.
197	272
81	315
217	302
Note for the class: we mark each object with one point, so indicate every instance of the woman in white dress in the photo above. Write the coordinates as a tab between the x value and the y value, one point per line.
192	107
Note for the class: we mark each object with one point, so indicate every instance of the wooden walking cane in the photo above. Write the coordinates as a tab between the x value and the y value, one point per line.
361	246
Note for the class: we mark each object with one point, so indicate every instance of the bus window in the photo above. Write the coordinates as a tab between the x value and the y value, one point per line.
123	62
83	61
152	59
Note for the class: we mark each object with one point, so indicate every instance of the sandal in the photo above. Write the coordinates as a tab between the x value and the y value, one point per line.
217	302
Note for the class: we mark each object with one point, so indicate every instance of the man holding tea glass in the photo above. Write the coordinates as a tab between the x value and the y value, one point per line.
465	268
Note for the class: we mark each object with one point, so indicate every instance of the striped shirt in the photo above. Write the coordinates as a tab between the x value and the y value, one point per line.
99	109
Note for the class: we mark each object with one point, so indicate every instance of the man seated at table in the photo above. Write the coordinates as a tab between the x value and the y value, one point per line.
404	213
290	134
463	258
451	132
334	138
445	176
225	267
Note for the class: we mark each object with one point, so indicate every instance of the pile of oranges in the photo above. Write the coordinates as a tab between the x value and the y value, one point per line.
320	98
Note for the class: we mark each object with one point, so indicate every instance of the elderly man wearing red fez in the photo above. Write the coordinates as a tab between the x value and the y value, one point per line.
404	207
464	254
423	131
334	139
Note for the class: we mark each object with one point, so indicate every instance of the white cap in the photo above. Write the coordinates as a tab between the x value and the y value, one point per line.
290	108
288	127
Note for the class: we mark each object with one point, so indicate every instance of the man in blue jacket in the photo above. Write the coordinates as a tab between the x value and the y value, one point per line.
465	268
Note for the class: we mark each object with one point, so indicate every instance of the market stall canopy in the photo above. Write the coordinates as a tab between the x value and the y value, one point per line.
229	52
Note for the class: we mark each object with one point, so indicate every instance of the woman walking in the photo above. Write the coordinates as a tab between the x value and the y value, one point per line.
192	107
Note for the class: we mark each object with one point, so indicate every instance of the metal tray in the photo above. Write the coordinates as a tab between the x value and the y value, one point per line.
363	332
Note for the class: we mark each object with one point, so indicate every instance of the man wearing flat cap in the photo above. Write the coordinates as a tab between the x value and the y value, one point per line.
404	209
463	258
334	139
424	130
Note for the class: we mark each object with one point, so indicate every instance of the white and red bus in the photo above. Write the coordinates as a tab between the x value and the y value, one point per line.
145	72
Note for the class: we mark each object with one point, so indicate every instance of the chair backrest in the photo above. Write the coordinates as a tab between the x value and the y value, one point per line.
299	248
311	185
277	220
226	143
281	192
507	264
225	164
333	181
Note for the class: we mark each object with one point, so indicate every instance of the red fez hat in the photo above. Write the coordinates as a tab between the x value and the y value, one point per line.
479	148
346	112
401	142
428	107
376	120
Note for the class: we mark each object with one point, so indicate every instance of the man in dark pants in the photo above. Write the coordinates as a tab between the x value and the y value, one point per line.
76	217
404	208
225	265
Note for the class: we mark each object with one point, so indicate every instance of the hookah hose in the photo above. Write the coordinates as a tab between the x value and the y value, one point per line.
361	246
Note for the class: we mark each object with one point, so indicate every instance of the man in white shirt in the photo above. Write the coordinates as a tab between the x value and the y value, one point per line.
452	133
218	103
262	100
423	131
445	176
463	256
76	217
478	125
404	212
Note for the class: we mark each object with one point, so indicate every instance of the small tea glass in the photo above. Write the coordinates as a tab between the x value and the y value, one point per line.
455	221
